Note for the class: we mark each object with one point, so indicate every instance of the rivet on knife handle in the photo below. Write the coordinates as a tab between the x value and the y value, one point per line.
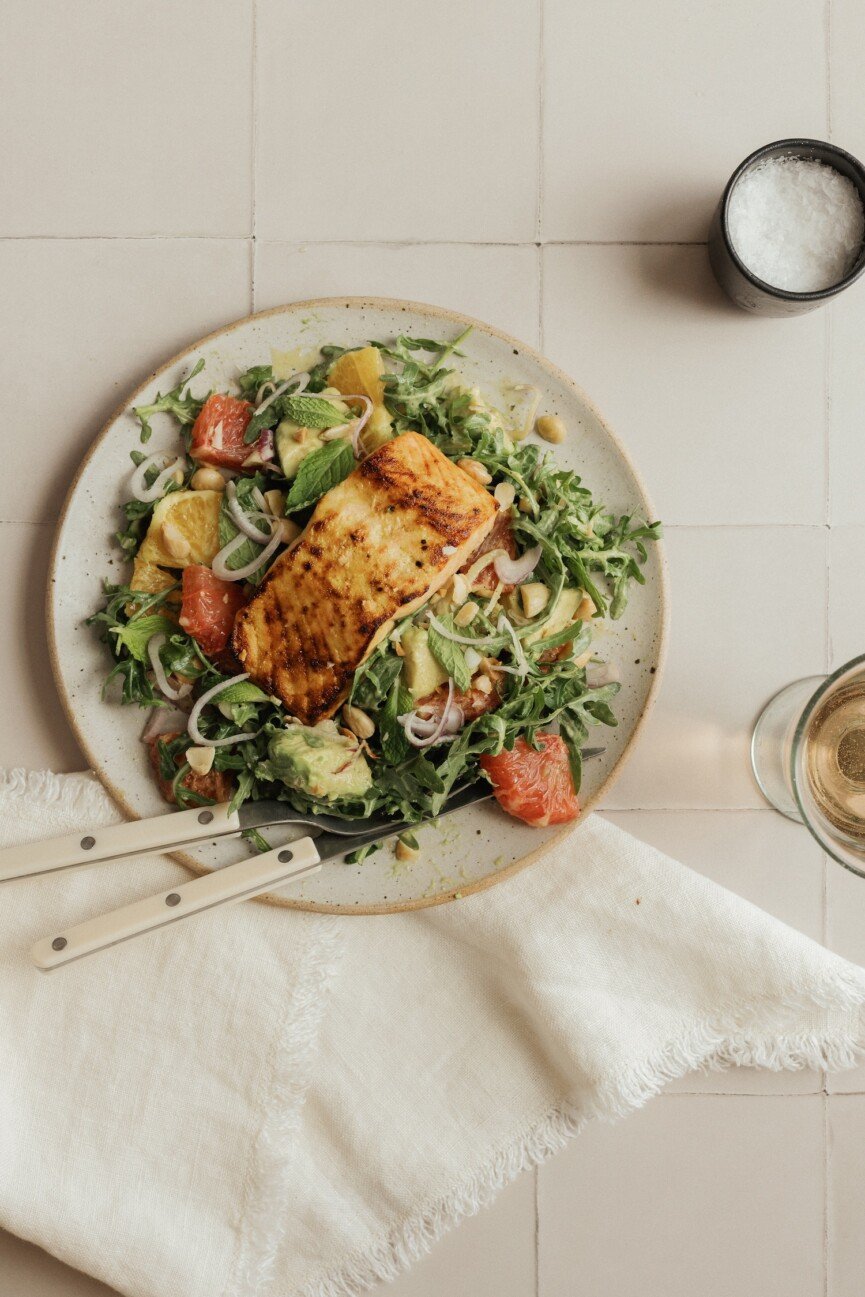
224	886
138	837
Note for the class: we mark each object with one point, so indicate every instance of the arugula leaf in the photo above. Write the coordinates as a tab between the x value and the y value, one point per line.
319	473
395	747
450	656
135	635
312	411
185	407
252	379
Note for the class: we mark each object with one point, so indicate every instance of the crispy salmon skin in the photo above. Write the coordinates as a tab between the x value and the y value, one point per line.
375	549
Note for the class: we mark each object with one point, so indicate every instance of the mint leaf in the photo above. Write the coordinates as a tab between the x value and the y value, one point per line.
312	412
242	691
450	656
137	634
319	473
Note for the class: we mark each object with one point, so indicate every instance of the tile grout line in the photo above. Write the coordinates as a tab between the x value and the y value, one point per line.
356	243
254	158
826	1170
539	224
828	30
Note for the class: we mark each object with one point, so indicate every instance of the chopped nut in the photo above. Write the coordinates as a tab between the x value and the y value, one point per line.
174	540
398	649
475	470
586	609
459	590
207	479
584	659
358	721
275	501
288	530
301	435
504	494
534	596
466	614
403	851
551	428
200	759
483	684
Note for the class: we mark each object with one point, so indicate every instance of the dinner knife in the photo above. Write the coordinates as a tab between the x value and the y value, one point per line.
224	886
174	831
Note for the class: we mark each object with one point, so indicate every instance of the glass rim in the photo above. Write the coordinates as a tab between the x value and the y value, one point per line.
827	684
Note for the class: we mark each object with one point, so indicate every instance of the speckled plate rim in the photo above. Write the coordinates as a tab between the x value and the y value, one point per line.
453	317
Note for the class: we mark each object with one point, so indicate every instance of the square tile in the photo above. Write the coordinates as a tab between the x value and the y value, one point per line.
694	1194
126	119
846	404
27	1270
491	1254
738	635
34	732
497	284
649	109
711	402
769	861
417	124
846	595
83	322
846	1191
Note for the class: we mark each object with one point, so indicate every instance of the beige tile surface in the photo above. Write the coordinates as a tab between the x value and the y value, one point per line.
738	634
720	1196
709	401
497	284
649	108
33	729
419	124
770	862
83	321
489	1255
846	1138
125	119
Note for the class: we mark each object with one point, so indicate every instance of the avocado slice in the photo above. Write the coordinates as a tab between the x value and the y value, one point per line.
421	672
319	760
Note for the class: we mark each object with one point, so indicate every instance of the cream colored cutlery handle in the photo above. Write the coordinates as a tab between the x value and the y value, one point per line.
222	887
138	837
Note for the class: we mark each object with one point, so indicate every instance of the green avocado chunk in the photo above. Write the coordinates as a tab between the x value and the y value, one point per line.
318	760
420	670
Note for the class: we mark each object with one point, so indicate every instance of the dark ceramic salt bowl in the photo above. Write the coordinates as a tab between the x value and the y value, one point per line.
738	282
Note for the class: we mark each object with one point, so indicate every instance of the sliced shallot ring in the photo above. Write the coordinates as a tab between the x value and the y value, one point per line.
154	644
242	519
301	379
515	570
330	434
438	733
147	494
225	573
192	725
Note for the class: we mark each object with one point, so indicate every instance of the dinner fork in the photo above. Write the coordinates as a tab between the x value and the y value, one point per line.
178	829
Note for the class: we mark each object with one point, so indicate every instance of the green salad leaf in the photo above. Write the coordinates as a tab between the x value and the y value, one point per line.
320	472
181	404
312	412
450	656
135	635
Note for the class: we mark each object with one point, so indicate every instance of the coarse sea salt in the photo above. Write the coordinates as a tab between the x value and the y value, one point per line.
796	224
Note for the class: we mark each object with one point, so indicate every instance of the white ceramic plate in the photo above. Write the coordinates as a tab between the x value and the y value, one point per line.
469	851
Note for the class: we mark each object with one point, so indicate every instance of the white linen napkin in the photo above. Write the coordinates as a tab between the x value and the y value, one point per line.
265	1101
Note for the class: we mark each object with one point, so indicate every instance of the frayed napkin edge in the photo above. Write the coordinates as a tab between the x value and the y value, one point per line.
713	1045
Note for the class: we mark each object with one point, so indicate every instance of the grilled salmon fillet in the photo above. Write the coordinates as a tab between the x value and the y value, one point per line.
375	549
